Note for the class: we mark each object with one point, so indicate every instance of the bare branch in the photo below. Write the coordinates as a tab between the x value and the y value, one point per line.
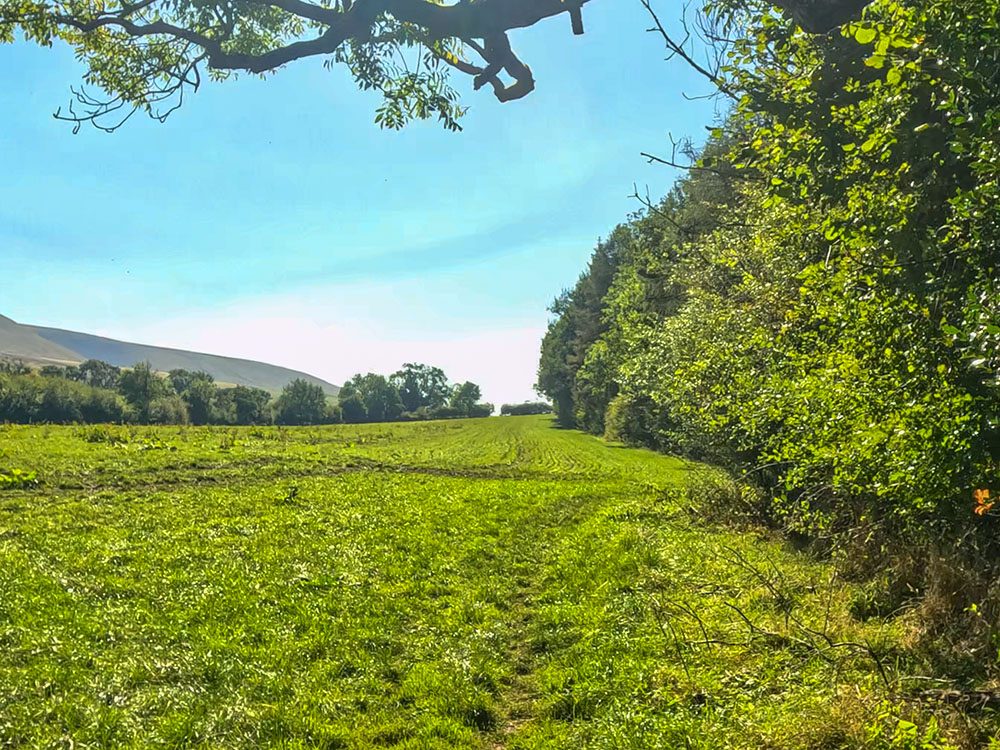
678	49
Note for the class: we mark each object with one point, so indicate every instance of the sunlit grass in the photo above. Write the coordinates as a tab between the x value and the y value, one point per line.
482	583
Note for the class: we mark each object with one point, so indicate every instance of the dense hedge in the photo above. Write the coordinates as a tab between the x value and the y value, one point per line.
136	395
95	392
415	392
527	408
817	304
24	398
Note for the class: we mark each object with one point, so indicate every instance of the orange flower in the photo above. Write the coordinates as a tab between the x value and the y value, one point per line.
982	498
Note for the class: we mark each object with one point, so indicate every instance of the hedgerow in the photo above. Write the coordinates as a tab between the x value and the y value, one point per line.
817	304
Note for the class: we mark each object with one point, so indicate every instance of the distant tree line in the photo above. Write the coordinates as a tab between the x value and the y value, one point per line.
415	392
528	407
95	391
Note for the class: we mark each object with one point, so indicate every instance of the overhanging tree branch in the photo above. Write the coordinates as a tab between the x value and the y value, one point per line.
140	52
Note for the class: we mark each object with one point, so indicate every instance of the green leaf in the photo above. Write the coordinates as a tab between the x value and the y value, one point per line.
865	35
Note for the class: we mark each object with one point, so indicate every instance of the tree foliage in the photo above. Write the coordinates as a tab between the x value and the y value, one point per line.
147	55
249	405
96	391
141	386
58	394
301	403
95	373
353	408
465	396
527	408
817	303
380	397
27	398
414	392
421	386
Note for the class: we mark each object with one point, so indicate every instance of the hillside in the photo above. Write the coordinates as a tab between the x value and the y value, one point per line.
40	345
22	342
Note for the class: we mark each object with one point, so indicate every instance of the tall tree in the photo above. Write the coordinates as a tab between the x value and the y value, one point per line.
380	396
578	323
249	404
96	373
200	396
141	386
352	408
300	403
466	396
181	380
421	385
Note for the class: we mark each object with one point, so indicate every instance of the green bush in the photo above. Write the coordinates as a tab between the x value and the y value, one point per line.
168	410
527	408
353	409
481	410
815	306
30	398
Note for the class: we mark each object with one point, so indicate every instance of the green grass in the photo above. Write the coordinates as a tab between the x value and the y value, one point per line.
474	584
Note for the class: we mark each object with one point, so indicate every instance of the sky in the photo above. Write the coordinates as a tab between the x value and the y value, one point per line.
273	219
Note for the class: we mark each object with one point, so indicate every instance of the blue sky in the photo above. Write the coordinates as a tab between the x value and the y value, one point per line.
273	220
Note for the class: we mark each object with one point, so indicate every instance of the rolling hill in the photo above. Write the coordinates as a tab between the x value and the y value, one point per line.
38	345
22	342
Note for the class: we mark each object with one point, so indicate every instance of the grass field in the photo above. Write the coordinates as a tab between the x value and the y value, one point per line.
472	584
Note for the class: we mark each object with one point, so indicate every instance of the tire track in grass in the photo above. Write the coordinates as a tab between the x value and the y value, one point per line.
522	696
520	699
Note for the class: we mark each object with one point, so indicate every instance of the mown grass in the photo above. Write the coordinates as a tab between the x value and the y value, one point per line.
478	584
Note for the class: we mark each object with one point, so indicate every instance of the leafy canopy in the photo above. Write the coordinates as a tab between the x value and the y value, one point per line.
421	385
817	304
147	54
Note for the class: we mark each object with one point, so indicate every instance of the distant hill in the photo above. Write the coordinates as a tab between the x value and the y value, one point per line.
22	342
38	345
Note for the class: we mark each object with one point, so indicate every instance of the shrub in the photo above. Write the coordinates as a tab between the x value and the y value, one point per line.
447	412
481	410
301	403
527	408
353	409
168	410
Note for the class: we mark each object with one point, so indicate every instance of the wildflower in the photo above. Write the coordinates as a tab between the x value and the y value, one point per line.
983	502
